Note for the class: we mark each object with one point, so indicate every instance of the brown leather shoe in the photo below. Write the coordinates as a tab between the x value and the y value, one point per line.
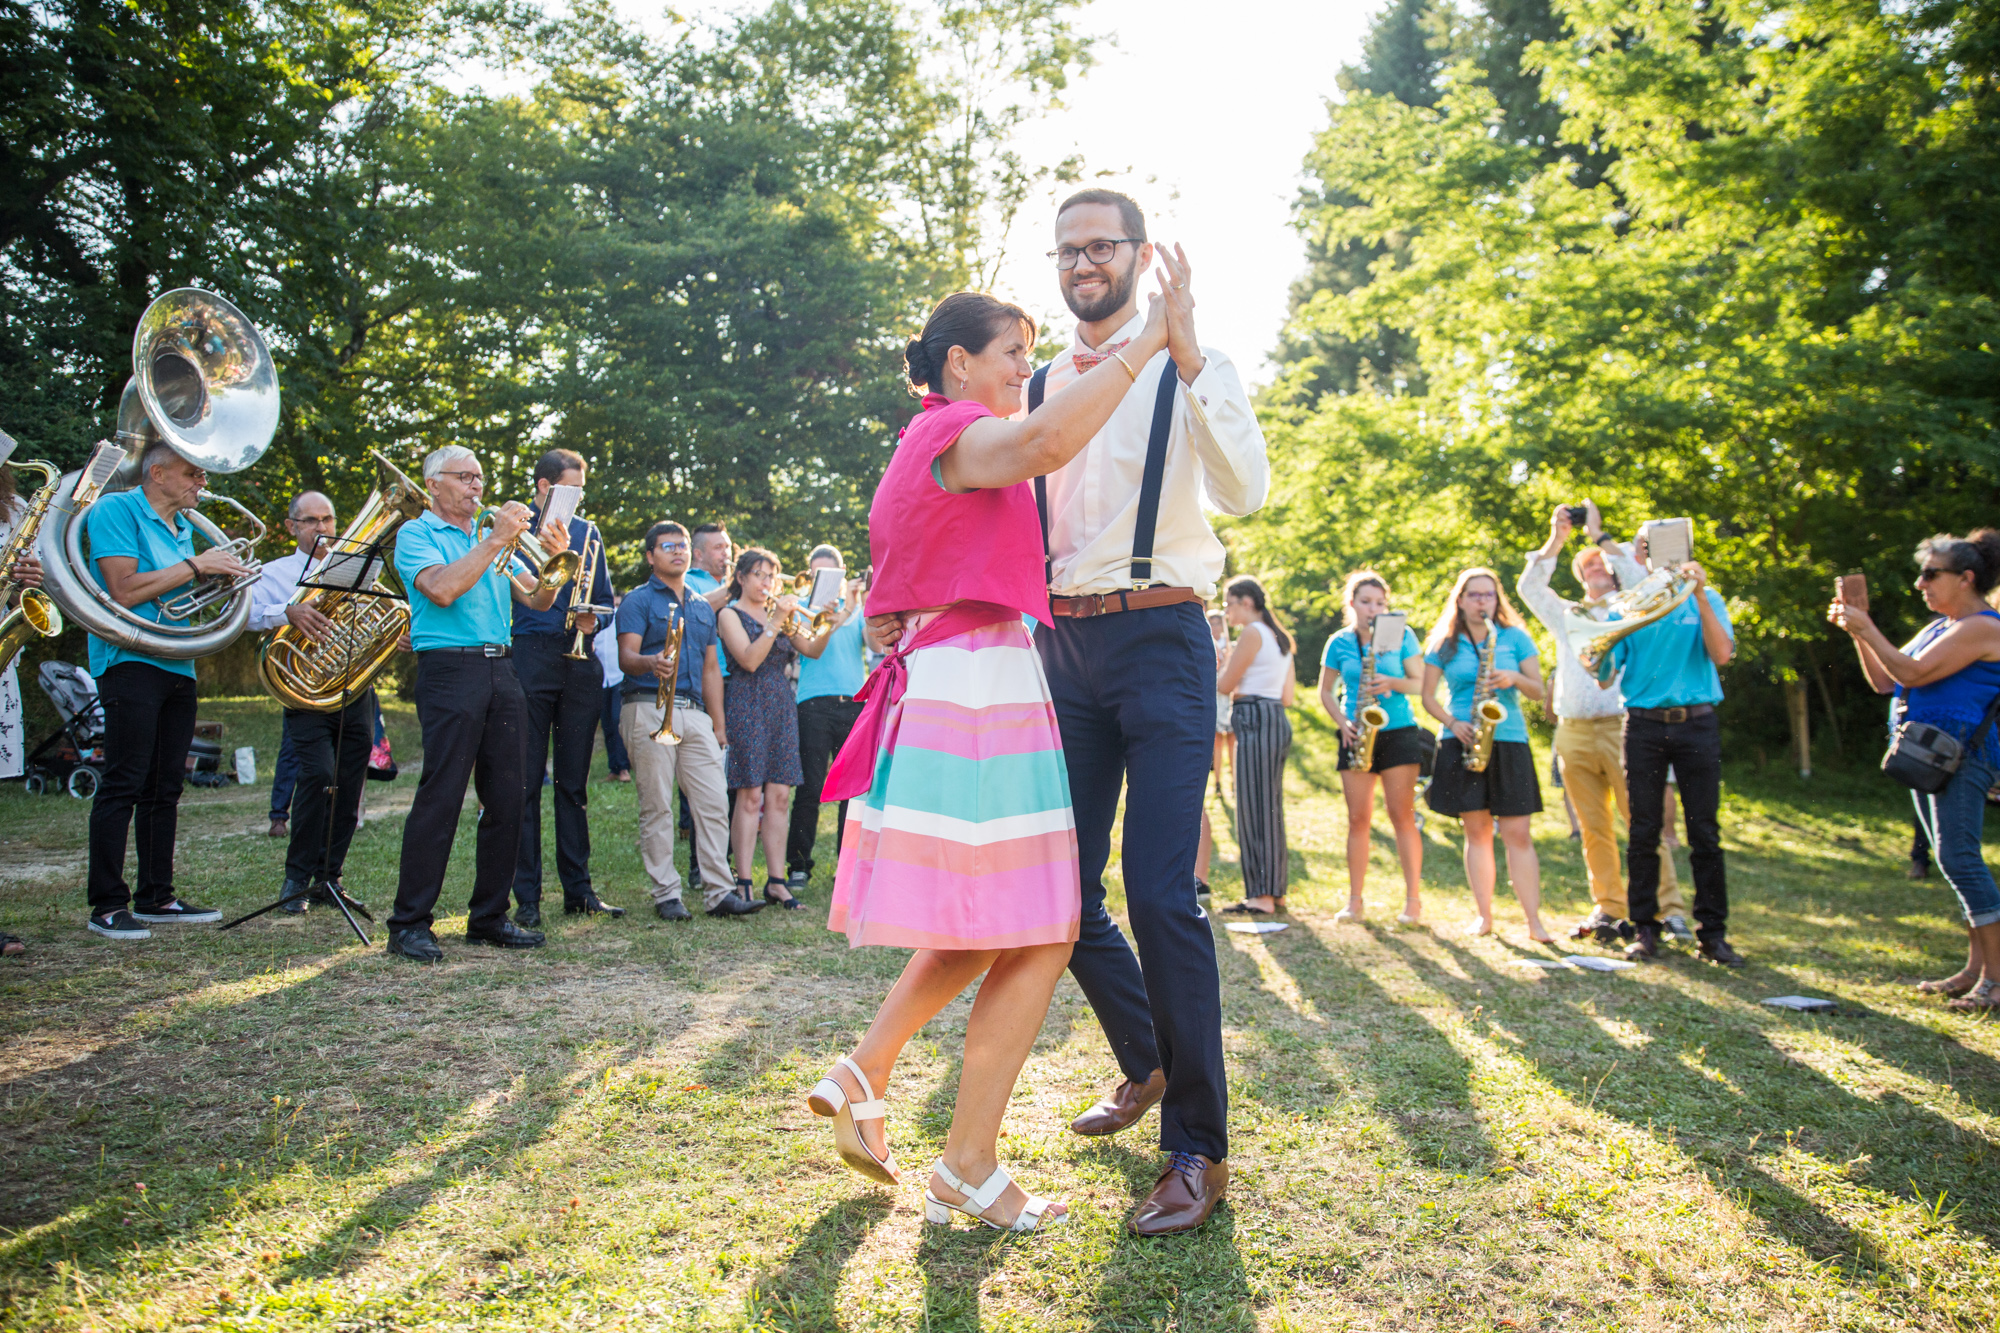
1127	1102
1186	1194
280	829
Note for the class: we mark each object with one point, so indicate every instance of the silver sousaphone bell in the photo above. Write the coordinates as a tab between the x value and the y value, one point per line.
204	385
1654	598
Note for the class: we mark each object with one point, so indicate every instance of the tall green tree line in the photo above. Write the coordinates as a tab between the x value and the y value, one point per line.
1748	278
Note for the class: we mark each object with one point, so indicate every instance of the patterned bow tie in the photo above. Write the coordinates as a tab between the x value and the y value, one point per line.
1085	360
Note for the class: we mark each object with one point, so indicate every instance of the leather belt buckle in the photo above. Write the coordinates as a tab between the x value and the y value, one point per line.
1676	715
1086	605
496	650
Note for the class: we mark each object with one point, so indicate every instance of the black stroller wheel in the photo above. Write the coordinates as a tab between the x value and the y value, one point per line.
83	783
36	784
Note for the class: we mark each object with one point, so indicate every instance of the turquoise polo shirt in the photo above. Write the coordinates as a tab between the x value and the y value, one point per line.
841	666
1666	664
1343	655
485	614
1461	675
127	524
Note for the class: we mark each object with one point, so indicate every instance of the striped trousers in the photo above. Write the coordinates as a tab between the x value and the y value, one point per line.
1263	739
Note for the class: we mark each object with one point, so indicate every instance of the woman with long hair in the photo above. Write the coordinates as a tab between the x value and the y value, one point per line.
1508	792
763	721
1949	677
1398	745
1260	680
961	843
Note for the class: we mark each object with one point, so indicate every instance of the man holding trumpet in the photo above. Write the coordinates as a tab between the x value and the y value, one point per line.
564	695
469	702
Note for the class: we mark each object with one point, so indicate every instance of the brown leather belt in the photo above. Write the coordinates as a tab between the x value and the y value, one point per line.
1129	599
1673	716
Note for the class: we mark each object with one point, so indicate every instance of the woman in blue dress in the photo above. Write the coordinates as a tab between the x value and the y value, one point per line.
1949	677
1508	792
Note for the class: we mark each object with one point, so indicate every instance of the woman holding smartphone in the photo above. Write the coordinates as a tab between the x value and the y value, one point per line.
1398	749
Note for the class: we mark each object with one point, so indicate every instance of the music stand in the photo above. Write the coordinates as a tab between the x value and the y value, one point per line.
350	566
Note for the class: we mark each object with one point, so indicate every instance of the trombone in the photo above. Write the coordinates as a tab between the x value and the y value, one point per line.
549	571
671	651
586	578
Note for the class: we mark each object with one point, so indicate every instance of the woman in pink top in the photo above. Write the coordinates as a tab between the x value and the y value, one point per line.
959	841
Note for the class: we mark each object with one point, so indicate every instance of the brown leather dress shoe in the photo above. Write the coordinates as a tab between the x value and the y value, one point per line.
1125	1104
1186	1194
280	829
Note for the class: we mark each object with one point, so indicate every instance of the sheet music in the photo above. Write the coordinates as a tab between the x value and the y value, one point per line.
1669	542
827	586
349	571
561	507
1385	637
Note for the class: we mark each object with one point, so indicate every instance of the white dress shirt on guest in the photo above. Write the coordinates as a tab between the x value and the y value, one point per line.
606	645
271	594
1577	693
1216	446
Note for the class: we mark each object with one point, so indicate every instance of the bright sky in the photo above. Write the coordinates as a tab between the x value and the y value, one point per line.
1205	120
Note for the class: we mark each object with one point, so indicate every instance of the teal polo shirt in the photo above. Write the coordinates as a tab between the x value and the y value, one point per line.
485	614
127	524
1343	655
1511	648
1666	665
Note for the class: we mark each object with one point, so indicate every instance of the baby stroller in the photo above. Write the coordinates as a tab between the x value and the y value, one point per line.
72	756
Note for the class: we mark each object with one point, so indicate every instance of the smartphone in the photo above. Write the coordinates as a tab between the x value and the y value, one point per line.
868	579
1851	589
1385	637
1577	515
1669	542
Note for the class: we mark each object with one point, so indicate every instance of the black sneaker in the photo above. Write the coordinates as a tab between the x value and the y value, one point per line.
119	925
176	910
416	944
591	906
1717	951
297	902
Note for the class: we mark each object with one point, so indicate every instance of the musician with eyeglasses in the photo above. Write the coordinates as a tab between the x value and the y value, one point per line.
564	695
309	518
141	551
462	587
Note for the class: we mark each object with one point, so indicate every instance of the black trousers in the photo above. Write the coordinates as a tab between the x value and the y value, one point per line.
1135	699
148	726
1694	750
564	697
472	715
823	726
314	738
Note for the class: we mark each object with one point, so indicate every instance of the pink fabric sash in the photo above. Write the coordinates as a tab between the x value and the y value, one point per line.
853	770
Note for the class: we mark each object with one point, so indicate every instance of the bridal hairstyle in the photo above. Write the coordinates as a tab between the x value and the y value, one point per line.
971	320
1977	551
1250	588
747	560
1359	579
1444	635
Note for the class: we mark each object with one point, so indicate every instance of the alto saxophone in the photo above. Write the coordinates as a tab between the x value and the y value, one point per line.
37	613
1370	717
671	650
1487	712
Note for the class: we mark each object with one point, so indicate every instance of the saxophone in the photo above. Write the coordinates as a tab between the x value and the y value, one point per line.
37	613
367	627
1487	711
1370	717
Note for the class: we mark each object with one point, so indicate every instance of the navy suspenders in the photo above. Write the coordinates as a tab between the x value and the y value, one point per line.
1149	486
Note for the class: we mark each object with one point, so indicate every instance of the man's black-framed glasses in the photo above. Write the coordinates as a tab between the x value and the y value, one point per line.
1097	252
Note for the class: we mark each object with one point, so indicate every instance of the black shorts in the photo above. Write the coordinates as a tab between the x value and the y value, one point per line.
1509	786
1394	747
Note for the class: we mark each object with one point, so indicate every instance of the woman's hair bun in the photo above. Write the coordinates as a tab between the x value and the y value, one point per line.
919	362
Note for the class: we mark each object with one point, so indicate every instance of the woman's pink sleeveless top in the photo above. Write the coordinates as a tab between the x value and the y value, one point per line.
932	548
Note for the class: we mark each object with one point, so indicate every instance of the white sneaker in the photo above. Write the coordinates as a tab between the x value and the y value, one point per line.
1677	926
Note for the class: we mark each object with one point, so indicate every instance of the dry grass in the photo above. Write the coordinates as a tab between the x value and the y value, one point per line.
277	1129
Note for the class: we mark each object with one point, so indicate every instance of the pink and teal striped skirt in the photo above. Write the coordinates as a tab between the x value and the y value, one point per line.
965	839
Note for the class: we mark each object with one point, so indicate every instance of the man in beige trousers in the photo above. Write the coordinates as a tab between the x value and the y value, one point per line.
1590	722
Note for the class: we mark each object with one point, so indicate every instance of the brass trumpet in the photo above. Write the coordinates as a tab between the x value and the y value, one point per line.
800	620
586	577
666	735
550	571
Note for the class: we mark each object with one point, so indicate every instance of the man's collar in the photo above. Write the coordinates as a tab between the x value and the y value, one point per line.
1129	330
660	582
443	522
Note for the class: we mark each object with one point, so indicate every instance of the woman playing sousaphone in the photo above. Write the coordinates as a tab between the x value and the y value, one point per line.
960	842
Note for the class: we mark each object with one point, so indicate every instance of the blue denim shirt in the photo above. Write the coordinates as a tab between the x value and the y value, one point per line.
649	611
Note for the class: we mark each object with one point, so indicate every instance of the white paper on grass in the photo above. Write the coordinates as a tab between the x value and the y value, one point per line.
1803	1003
1589	962
1257	927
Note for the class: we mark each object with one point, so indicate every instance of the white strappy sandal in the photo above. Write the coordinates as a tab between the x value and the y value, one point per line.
829	1099
1345	915
1033	1215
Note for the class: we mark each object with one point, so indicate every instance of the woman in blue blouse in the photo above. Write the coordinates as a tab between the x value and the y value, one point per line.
1398	746
1949	676
1509	792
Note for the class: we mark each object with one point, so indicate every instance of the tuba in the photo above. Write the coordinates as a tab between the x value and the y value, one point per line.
1655	597
203	384
367	626
37	614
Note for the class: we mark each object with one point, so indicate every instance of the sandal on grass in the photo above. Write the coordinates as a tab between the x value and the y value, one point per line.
1981	998
1950	986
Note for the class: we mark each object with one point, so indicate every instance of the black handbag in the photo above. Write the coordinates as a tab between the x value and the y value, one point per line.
1926	759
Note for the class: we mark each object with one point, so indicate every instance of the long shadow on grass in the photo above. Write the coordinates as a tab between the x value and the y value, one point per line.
1720	1127
803	1292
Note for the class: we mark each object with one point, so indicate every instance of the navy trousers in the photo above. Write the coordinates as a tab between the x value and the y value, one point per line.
1135	698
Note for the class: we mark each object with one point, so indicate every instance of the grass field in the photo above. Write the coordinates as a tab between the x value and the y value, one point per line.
277	1129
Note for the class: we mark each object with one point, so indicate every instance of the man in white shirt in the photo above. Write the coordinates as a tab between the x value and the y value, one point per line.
1133	563
1590	724
311	864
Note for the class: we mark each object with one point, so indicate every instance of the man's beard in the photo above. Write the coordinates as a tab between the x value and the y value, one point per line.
1116	294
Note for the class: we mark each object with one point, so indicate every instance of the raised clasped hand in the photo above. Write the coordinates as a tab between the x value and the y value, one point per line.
1177	297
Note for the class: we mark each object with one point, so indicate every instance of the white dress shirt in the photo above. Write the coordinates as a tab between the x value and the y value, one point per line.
272	593
1216	445
1577	692
606	648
